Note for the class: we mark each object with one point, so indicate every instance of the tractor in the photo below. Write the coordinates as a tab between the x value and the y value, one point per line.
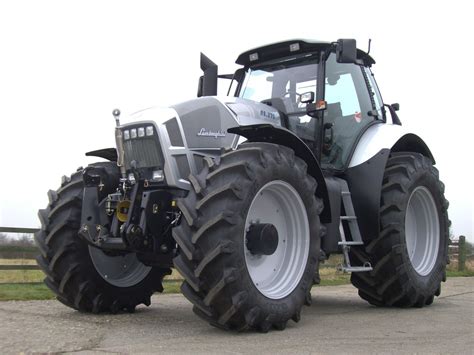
246	194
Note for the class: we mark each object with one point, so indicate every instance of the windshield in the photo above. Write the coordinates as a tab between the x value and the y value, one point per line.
281	84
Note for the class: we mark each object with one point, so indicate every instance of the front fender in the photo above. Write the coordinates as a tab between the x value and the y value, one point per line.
272	134
109	154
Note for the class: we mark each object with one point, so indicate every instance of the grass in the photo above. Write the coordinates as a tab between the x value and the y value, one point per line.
172	286
332	277
25	292
16	285
17	261
21	276
39	291
454	273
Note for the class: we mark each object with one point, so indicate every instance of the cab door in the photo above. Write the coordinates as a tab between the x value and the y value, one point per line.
350	111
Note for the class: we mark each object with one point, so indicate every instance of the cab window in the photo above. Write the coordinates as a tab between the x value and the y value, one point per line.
280	85
347	114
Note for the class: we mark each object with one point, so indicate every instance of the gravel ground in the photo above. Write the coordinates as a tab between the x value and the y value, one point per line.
337	322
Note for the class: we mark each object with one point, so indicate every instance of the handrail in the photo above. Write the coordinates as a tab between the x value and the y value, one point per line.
18	230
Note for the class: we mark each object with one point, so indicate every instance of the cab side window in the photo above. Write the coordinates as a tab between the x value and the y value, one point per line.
343	92
347	114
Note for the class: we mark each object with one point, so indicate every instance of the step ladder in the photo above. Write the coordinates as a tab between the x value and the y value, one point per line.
351	220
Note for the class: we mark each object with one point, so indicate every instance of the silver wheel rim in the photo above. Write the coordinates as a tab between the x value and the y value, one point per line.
422	230
120	271
277	275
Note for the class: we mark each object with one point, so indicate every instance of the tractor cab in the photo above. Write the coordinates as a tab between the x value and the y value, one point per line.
292	76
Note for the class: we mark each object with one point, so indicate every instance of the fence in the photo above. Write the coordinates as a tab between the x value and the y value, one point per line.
18	230
20	267
28	255
458	252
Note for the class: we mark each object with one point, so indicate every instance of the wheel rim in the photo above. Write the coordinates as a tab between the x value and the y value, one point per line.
277	275
120	271
422	230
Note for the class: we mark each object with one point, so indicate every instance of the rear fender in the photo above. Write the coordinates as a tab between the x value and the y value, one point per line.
367	168
388	136
272	134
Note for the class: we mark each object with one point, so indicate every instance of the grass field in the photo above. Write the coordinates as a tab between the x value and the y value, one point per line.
25	292
39	291
21	285
17	261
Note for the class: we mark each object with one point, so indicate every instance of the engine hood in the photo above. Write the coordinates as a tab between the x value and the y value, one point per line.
211	117
244	112
197	128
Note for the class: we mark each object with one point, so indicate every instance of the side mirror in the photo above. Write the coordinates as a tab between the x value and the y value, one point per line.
346	51
393	108
313	107
307	97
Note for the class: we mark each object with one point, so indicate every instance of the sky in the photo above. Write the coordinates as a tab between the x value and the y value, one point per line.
65	65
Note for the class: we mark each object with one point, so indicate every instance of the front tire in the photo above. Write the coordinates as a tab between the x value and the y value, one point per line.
410	254
81	276
231	287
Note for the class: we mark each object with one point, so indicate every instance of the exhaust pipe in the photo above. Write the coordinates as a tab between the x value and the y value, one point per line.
207	82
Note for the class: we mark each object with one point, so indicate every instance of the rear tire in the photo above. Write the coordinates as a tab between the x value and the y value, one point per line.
226	287
75	270
409	256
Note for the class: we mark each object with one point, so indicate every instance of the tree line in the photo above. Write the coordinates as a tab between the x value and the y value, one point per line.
25	240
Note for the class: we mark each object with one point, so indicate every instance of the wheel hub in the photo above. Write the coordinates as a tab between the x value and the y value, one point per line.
262	239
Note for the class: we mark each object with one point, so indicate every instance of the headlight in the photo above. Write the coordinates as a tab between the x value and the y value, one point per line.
158	175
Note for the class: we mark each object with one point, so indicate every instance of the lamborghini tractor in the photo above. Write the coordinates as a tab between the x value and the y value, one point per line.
245	195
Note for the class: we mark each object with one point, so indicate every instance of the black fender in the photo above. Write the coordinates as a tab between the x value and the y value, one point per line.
272	134
365	184
412	143
109	154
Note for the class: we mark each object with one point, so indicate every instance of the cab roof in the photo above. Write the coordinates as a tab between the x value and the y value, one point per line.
292	47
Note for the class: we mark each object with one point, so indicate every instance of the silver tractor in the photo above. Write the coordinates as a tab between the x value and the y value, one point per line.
246	194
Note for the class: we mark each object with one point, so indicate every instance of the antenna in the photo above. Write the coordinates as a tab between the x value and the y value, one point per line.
370	41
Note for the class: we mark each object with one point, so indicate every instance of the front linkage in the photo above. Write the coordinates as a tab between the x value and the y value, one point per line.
138	218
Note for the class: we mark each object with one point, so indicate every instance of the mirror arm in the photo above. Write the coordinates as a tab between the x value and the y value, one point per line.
393	113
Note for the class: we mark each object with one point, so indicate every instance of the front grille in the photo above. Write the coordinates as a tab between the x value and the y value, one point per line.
145	151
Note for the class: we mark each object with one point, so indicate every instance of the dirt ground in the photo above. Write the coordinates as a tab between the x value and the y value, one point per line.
337	322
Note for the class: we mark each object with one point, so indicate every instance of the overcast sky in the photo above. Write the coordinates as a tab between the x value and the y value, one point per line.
64	65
